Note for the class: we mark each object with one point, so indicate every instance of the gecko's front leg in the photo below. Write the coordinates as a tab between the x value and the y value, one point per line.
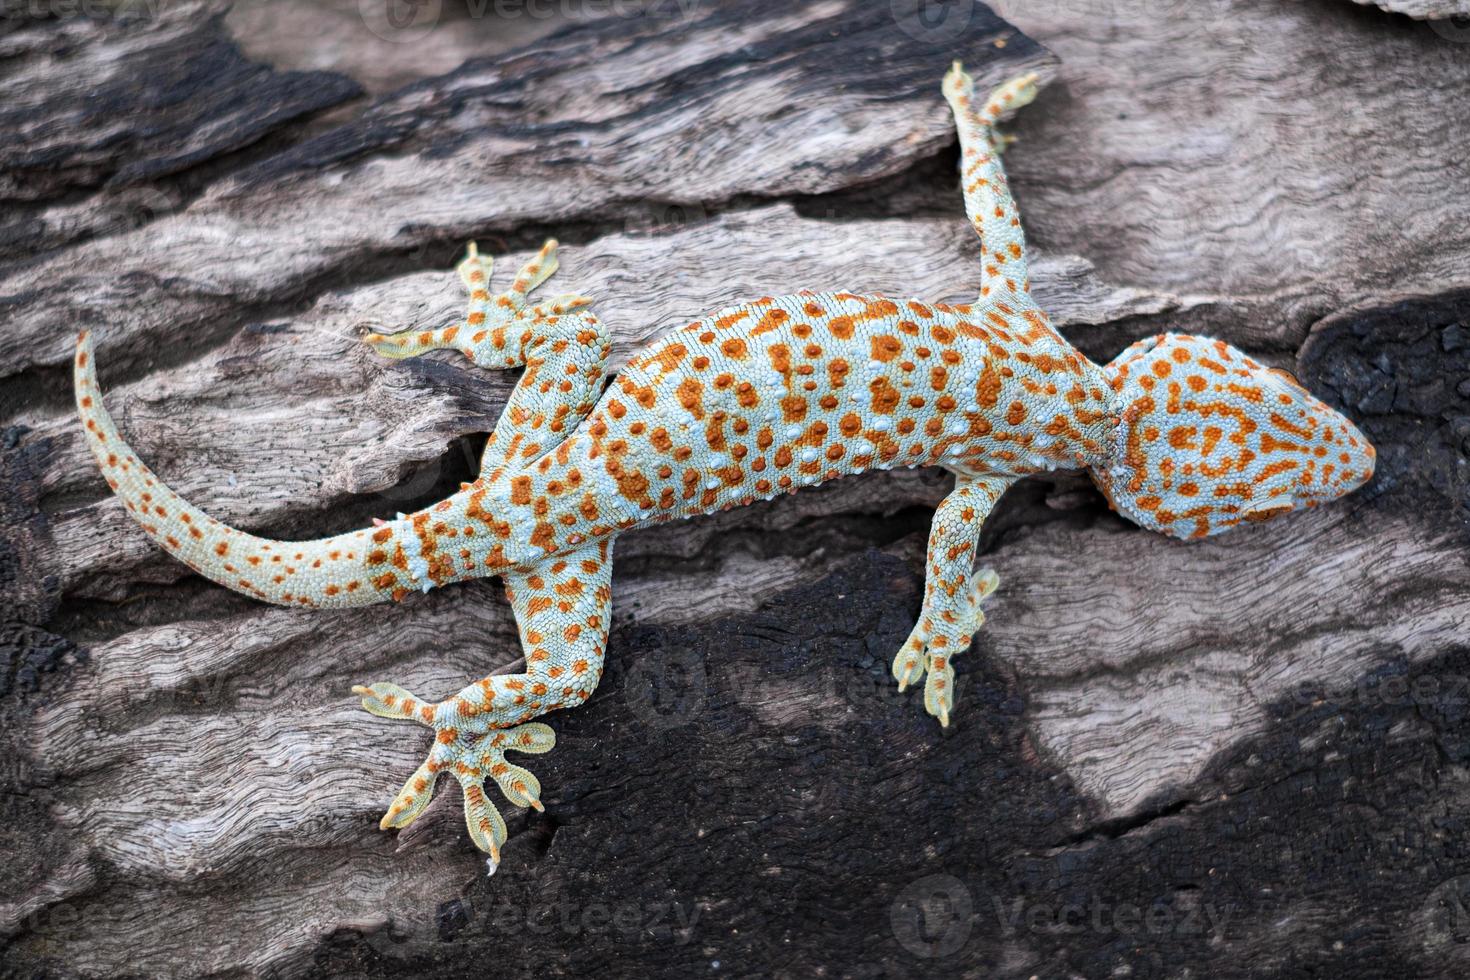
953	592
563	350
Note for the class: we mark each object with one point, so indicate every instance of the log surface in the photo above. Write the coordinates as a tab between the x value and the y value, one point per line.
1248	756
1451	13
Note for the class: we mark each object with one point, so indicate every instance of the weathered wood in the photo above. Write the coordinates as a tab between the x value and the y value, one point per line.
1259	737
98	111
1445	10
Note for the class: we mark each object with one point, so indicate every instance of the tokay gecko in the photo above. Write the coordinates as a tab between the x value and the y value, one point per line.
1184	435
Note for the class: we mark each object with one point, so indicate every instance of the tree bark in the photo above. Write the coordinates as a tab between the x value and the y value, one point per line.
1239	757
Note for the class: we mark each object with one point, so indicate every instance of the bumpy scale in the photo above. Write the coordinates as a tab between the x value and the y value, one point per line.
1185	435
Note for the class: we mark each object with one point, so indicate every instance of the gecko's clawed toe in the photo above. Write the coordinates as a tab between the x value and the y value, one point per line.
486	758
467	751
394	345
391	701
936	639
939	689
908	665
412	798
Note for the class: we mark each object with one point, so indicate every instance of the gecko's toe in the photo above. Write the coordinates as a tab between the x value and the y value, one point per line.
472	754
391	701
986	582
939	689
908	665
936	639
412	798
487	759
394	345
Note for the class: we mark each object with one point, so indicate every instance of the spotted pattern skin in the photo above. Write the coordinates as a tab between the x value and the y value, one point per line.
1185	435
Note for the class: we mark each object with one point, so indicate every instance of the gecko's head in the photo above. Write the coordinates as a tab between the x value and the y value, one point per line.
1207	439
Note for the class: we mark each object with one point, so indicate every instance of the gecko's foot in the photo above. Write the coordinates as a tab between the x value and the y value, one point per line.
471	754
931	645
1013	95
959	88
482	337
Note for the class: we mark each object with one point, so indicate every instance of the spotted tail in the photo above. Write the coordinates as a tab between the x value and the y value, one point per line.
358	568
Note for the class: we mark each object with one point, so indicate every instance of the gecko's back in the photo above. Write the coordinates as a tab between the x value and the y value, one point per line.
754	400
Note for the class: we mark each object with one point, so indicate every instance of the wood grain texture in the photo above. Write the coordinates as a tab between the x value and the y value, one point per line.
1446	10
1240	757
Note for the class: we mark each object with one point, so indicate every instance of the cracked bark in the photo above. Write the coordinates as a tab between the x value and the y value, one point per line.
1261	729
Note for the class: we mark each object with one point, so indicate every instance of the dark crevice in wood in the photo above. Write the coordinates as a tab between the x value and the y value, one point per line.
1107	830
188	599
1401	368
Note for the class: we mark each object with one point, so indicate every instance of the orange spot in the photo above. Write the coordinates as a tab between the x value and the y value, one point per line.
885	347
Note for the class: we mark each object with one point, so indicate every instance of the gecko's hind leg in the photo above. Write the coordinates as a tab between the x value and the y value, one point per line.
562	612
988	201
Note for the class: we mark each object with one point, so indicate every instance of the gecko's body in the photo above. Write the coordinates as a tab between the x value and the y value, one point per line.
1185	435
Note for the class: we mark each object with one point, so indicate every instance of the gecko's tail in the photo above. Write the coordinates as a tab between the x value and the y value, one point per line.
358	568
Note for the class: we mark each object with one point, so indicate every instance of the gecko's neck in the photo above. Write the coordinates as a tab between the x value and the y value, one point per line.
1050	404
